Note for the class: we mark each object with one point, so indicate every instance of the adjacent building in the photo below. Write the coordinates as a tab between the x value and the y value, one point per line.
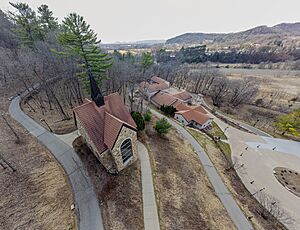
194	116
154	85
159	93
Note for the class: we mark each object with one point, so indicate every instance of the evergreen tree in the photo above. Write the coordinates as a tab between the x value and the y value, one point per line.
78	38
147	61
162	126
46	19
28	28
139	120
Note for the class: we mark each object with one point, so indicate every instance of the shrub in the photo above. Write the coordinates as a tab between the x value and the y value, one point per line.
162	126
147	116
139	120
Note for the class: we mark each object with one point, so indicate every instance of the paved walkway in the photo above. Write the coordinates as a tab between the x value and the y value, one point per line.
221	190
151	221
86	202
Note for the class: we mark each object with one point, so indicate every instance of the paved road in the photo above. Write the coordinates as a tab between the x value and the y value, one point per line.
86	203
221	190
151	220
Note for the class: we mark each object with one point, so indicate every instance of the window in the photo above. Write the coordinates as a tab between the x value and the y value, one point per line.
126	150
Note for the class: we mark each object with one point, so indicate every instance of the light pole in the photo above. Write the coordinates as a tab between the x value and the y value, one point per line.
258	191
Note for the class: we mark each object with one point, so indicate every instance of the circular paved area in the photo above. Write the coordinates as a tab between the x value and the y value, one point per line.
260	158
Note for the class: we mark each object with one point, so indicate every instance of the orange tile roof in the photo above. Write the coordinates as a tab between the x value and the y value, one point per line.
199	108
158	80
184	95
103	124
194	115
153	87
157	85
181	106
162	98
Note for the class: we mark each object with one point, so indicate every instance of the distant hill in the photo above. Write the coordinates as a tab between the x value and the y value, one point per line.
143	42
283	29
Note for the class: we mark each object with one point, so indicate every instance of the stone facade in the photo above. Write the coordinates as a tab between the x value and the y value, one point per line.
116	151
105	157
112	159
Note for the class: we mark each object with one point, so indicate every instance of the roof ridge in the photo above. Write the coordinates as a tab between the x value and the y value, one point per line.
118	119
82	105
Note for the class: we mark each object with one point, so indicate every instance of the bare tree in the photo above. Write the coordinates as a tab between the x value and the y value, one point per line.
219	90
242	91
271	206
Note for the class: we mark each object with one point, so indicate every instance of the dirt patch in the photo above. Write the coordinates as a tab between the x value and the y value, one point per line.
120	196
247	203
37	195
185	197
289	178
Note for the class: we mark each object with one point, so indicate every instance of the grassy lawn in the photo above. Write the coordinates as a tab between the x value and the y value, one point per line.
225	148
217	132
204	141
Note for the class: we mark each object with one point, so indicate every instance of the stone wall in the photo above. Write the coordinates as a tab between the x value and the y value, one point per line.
105	157
116	151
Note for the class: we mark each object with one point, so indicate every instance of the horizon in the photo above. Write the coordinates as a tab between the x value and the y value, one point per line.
172	18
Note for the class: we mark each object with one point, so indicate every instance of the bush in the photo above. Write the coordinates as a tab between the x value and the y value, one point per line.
168	110
162	126
139	120
147	116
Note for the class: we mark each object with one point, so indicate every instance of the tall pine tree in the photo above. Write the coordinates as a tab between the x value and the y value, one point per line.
46	18
78	38
28	28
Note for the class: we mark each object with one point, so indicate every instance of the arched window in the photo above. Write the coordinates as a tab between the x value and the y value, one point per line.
126	150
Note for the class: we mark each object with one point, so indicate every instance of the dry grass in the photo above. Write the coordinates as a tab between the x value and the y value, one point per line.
248	204
53	118
37	195
120	196
185	197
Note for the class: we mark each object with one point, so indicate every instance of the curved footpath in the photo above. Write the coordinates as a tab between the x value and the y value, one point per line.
221	190
86	202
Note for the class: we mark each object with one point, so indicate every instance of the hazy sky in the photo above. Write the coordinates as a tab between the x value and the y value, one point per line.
131	20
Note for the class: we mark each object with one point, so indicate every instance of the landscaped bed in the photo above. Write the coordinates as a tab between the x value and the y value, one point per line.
185	197
225	165
120	196
289	178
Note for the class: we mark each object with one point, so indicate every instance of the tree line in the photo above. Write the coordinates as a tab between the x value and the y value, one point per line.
201	54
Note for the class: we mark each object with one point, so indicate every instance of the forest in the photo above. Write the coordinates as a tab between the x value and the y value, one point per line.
56	60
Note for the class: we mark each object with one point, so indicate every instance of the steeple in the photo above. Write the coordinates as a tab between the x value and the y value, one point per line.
96	93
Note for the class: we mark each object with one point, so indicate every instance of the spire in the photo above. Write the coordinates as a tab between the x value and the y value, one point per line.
96	93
